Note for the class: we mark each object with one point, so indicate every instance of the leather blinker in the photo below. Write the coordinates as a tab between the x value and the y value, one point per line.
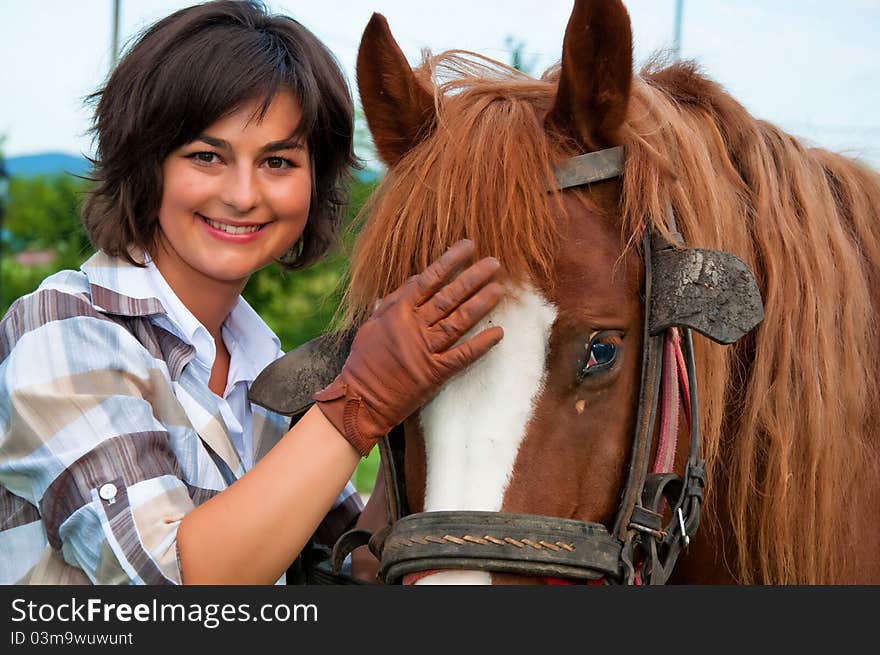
710	291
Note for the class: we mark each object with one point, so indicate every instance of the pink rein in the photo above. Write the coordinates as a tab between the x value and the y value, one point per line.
674	391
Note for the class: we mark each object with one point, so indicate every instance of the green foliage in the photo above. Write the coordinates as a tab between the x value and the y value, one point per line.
365	475
297	306
517	55
42	214
16	280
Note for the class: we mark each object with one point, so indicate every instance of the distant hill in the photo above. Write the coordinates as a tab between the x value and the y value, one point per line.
46	163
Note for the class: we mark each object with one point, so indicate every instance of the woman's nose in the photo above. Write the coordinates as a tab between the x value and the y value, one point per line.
241	190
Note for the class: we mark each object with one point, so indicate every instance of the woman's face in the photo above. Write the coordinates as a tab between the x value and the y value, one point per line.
236	198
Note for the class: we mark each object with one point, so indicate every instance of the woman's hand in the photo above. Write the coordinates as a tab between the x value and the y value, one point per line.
407	350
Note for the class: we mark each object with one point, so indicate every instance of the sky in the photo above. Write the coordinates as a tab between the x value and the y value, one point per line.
811	66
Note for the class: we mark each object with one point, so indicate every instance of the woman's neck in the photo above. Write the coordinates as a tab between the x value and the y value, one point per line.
208	299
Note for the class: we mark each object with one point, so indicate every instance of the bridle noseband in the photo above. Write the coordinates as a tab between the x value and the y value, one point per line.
710	291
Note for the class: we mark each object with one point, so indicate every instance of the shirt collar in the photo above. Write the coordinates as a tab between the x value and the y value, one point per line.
252	346
119	287
182	321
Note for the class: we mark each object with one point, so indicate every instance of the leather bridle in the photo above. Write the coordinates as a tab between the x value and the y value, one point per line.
710	291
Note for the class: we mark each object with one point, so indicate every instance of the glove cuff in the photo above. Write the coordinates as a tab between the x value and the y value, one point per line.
346	411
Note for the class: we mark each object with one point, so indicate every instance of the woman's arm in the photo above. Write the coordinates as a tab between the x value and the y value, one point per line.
252	531
86	421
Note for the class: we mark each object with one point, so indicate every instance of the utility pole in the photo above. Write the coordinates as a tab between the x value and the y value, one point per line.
4	196
676	40
114	54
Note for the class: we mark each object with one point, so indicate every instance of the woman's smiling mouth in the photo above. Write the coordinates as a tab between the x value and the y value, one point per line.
231	229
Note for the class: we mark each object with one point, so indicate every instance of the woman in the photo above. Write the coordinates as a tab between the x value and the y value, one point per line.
130	453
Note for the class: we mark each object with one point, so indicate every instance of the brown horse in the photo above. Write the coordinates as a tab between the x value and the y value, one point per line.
789	416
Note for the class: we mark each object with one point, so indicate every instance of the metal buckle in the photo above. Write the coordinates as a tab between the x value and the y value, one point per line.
685	539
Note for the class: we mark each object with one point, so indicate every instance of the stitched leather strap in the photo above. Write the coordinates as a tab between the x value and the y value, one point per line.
499	541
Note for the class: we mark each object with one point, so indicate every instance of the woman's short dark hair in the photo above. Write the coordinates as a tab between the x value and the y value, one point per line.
189	70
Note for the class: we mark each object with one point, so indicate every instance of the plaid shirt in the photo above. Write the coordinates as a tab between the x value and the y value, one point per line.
110	434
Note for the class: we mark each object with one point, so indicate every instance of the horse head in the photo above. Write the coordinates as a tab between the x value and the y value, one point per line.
544	424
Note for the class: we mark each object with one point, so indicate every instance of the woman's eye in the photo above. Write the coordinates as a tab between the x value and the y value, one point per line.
205	157
278	163
600	357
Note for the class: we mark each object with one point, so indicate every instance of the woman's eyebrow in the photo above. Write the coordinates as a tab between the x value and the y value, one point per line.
285	144
291	143
216	143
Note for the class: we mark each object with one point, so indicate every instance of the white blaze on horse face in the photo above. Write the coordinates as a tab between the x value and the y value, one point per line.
474	427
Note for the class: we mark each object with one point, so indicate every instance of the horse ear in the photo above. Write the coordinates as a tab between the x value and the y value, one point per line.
596	75
400	111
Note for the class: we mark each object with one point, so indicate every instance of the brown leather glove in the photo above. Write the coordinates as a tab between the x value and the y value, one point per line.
404	353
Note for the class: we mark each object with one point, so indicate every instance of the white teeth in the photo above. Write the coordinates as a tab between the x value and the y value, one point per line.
231	229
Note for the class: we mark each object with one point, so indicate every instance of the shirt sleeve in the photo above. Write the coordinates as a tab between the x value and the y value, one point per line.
82	444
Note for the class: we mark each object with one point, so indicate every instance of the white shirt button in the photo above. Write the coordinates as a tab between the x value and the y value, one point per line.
108	492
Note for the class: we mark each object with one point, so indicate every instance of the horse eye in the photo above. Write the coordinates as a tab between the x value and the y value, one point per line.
600	357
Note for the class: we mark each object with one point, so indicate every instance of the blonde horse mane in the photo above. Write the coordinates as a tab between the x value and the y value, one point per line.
787	413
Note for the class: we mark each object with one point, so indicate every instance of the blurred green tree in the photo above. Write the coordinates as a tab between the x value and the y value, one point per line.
42	213
518	59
